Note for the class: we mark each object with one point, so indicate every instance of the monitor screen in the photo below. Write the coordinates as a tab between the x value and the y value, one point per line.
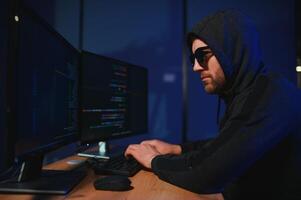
46	105
113	98
47	87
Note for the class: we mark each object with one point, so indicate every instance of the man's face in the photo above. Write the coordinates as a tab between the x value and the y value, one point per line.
210	71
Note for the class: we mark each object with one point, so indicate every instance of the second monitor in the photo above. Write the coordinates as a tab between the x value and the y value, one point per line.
113	98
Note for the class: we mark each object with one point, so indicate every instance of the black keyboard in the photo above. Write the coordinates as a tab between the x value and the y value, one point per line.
117	165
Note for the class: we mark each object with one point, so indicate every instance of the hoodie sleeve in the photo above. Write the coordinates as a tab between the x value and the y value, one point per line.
196	145
245	138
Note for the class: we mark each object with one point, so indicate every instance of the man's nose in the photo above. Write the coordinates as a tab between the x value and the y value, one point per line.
197	66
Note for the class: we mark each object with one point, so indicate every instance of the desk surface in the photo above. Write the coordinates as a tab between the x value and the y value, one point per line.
146	185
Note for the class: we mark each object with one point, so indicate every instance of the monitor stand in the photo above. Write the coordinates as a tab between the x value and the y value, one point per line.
103	150
33	180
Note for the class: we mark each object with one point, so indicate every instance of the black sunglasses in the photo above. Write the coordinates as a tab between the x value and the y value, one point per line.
202	55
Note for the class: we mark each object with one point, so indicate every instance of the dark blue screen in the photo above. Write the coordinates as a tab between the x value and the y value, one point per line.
47	80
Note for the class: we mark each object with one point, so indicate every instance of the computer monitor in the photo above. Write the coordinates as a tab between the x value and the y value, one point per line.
46	118
114	96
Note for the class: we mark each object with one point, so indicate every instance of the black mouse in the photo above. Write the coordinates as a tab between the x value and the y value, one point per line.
113	183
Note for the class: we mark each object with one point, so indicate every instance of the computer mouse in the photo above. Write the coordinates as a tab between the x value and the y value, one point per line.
113	183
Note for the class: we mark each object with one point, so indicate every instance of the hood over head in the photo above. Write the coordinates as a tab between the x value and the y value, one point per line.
234	40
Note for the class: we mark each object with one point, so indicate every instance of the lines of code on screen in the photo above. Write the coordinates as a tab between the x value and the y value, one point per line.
114	98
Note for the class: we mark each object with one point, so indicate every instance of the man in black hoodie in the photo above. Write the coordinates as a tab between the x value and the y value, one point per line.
257	153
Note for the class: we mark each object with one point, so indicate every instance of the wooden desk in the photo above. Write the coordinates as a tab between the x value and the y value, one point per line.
147	186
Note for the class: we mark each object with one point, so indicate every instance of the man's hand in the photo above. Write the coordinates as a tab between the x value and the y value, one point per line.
163	147
143	153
